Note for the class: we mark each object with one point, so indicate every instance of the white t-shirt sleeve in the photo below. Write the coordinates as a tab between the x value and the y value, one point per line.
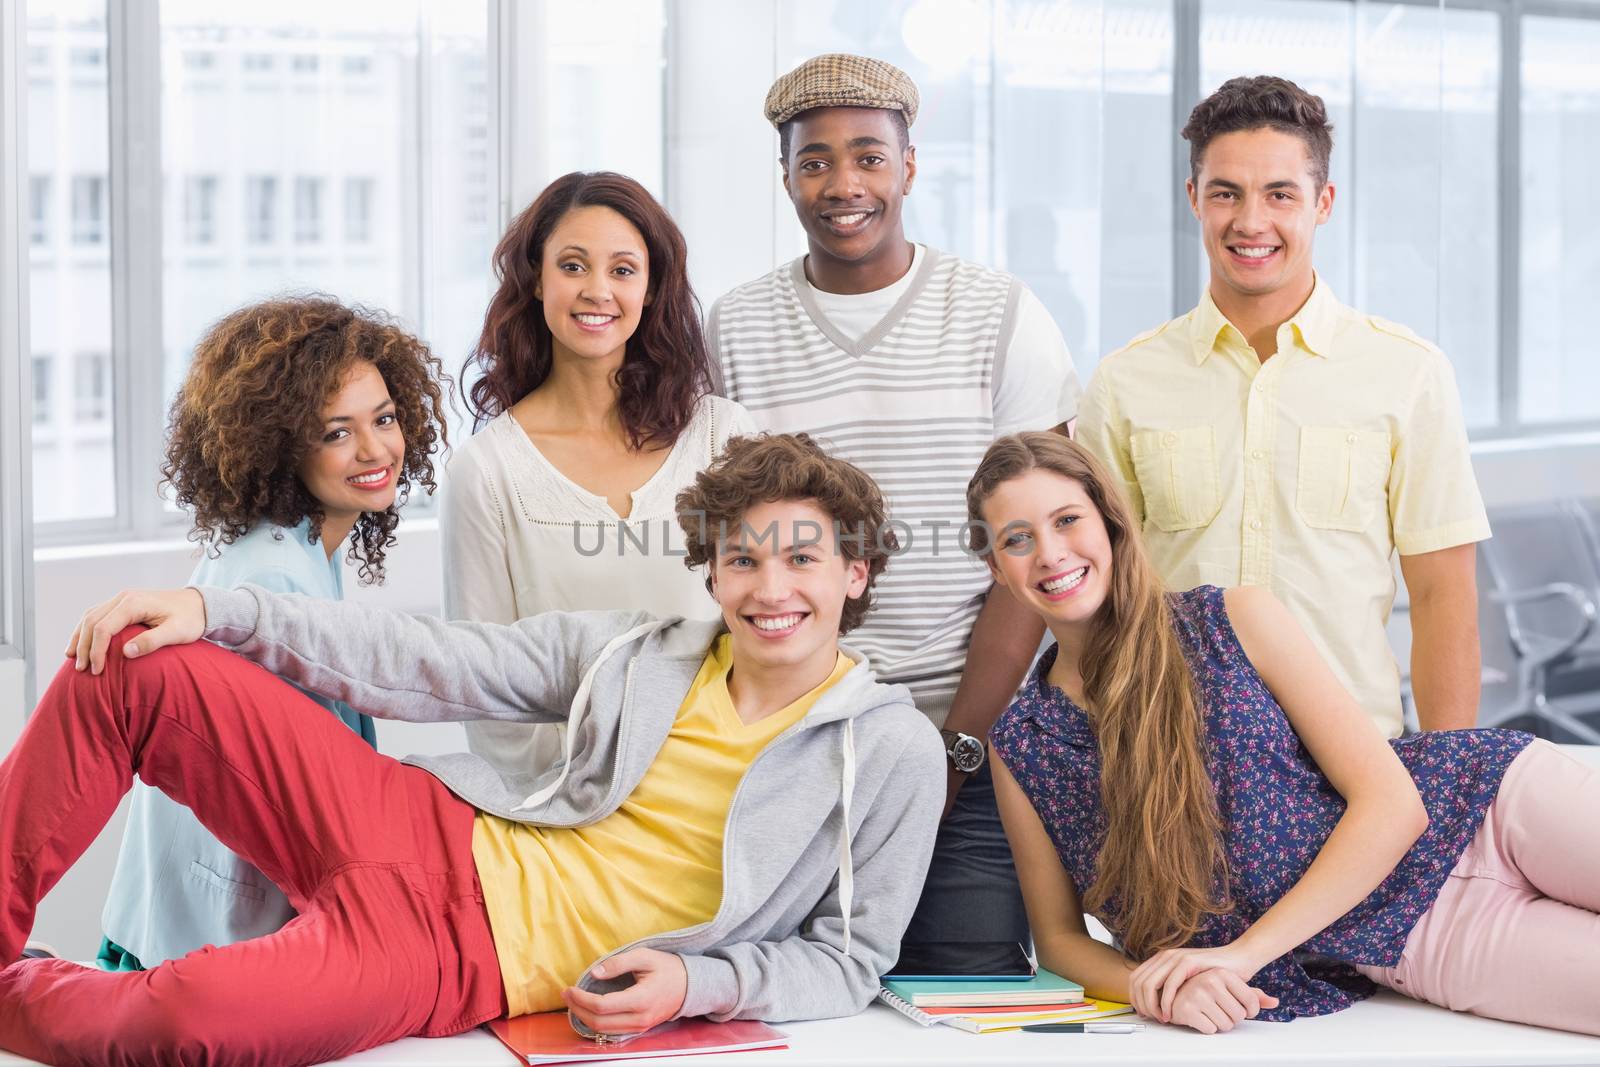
1037	387
477	572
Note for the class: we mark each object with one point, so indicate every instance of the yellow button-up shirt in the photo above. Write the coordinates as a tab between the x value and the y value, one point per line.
1303	473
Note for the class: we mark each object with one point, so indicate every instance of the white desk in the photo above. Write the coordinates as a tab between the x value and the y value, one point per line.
1386	1030
1389	1029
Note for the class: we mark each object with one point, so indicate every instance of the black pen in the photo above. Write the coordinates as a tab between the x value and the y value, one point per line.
1084	1028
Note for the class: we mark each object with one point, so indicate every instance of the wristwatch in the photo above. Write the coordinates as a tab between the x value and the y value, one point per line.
965	751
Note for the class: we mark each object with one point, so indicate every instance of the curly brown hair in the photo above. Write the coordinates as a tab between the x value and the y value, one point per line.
789	466
1262	101
250	409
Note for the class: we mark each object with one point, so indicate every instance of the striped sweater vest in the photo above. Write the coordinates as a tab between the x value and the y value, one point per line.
910	402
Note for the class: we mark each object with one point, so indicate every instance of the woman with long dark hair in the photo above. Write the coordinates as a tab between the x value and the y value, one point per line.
592	393
1186	767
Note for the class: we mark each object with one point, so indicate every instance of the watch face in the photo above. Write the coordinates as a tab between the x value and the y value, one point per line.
967	754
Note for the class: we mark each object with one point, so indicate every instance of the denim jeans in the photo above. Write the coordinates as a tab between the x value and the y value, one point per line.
971	894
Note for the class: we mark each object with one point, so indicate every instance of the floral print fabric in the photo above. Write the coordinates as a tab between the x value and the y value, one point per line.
1277	808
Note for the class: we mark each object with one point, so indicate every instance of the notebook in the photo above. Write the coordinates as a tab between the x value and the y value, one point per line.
1008	1009
988	1023
1044	987
549	1038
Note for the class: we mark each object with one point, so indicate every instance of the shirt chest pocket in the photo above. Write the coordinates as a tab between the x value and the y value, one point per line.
1343	477
1177	472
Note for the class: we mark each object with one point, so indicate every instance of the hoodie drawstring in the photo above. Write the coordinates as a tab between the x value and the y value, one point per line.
847	786
580	708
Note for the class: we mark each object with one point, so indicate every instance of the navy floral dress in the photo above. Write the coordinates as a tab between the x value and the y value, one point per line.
1277	808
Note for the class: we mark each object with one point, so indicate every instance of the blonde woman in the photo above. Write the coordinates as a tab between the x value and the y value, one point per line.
1185	767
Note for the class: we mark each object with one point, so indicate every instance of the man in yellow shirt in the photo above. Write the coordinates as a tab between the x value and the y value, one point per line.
1273	436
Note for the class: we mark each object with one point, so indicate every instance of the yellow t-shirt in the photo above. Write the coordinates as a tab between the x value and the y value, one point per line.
558	899
1303	473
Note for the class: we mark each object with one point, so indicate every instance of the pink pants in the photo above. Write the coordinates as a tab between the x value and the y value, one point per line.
1515	932
392	939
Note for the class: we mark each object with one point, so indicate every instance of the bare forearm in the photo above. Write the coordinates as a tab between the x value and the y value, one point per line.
1365	846
1100	969
1004	639
1446	665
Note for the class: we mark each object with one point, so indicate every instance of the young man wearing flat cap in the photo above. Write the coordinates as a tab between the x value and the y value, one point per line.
908	362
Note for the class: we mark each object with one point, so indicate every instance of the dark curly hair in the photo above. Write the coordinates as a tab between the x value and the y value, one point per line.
1262	101
789	466
665	368
250	409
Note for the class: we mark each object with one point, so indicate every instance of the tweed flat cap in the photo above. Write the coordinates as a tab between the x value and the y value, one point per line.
842	80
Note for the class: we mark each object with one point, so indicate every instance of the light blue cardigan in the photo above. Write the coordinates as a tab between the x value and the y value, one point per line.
176	887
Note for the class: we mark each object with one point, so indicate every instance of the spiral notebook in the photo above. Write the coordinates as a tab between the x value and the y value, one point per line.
988	1023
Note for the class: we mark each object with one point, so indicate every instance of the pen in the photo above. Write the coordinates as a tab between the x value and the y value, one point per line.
1084	1028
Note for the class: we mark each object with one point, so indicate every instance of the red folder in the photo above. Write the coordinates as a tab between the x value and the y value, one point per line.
549	1038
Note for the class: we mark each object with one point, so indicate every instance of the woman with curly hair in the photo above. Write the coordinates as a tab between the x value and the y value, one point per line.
301	426
595	410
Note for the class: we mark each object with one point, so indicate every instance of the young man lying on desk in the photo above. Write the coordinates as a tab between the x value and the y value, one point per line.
740	828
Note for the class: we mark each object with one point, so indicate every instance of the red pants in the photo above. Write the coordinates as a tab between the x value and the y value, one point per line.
391	941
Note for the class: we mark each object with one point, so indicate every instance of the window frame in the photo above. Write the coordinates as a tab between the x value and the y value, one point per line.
16	386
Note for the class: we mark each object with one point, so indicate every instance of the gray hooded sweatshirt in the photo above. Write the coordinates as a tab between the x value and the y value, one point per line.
810	914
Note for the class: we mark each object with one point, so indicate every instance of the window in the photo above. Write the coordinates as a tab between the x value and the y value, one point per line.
307	210
1559	371
89	209
261	207
1412	93
43	367
69	296
333	166
91	387
358	210
39	209
200	209
200	62
1100	263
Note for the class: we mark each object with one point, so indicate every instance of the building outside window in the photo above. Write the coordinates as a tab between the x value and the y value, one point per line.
88	209
358	195
308	210
39	209
43	367
91	387
200	209
261	209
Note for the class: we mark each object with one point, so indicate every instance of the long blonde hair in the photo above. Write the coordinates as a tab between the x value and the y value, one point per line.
1162	859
